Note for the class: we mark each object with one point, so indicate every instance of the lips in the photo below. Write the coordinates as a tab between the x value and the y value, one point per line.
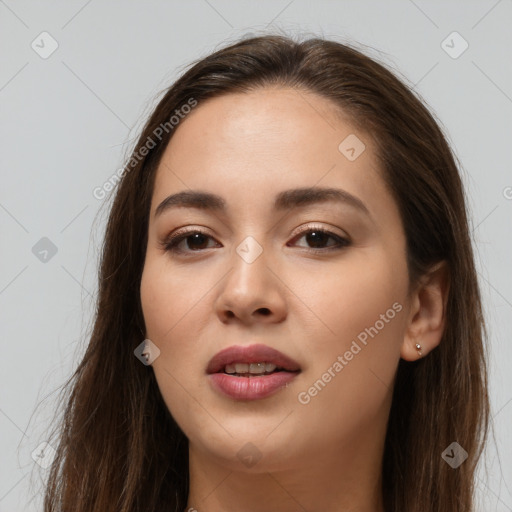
251	387
251	354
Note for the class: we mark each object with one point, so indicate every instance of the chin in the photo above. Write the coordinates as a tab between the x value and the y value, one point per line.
252	448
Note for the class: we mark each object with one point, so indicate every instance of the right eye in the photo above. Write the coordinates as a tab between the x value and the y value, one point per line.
195	239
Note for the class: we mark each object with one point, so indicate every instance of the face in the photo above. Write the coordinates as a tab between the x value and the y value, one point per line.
323	281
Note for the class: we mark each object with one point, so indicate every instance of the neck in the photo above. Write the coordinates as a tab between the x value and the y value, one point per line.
337	480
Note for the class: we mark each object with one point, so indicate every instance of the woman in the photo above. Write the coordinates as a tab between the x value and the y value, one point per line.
288	257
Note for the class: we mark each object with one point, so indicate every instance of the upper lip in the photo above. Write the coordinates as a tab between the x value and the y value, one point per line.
250	354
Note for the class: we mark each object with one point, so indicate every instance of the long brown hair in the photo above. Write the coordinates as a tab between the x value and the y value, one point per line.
118	447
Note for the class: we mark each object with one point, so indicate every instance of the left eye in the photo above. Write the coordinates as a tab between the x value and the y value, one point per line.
197	240
318	237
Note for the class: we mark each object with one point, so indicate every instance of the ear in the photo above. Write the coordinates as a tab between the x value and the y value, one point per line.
427	313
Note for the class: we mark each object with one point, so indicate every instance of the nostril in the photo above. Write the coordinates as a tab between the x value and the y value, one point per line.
265	311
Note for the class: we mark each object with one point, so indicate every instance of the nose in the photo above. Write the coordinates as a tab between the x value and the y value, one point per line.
251	292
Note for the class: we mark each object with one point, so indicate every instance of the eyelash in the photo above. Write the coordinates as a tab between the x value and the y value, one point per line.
170	243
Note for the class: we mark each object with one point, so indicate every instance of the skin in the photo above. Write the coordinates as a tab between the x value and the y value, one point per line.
326	454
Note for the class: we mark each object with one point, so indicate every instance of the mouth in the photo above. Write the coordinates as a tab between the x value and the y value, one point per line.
251	360
251	373
250	370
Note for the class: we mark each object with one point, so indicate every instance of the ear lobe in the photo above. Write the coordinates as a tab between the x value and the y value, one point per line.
428	313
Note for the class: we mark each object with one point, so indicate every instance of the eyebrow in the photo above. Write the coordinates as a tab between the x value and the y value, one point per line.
285	200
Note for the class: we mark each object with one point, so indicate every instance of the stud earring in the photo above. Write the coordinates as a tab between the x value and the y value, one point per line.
418	348
146	353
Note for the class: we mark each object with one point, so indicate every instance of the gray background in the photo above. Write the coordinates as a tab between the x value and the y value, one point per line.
69	119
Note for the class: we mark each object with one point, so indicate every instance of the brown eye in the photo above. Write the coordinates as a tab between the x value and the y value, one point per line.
317	239
194	241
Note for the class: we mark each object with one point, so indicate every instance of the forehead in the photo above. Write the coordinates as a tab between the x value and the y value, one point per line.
268	121
249	146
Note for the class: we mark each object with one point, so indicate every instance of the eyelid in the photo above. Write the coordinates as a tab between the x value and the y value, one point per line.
304	228
188	229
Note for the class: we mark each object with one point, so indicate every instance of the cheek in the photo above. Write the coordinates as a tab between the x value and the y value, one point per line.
177	305
163	305
360	313
351	297
169	298
171	307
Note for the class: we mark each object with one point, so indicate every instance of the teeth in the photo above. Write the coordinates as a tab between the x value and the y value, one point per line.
230	368
253	368
241	367
257	368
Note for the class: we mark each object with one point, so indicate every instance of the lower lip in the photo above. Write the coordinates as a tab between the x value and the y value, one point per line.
250	388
